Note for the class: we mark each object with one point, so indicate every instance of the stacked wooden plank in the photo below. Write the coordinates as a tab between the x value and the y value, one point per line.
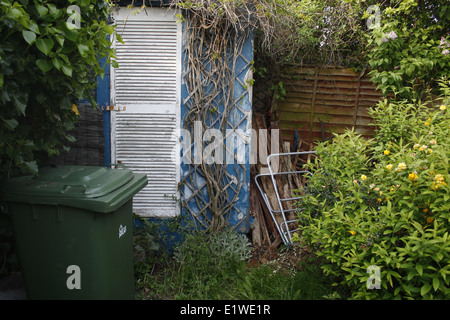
264	229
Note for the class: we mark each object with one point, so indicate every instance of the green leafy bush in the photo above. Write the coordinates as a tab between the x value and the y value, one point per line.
385	202
49	59
409	52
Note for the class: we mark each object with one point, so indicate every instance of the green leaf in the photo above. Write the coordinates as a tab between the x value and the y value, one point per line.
60	39
44	65
33	26
419	269
83	49
2	79
57	63
435	283
42	10
44	45
29	36
20	105
67	69
425	288
11	124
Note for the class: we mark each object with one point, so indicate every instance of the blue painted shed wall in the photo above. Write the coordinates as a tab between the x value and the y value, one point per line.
240	216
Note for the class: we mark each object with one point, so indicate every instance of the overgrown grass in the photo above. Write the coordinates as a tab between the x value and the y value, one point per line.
217	267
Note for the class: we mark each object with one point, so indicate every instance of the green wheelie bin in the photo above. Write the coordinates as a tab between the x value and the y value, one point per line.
73	228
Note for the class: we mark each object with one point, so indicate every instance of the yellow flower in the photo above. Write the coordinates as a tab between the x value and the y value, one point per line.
386	152
442	107
427	123
438	182
430	219
401	166
389	166
425	210
379	199
75	109
413	176
433	141
363	177
352	232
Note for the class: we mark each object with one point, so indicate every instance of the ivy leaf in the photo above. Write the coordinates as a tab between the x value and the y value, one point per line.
29	36
44	65
44	45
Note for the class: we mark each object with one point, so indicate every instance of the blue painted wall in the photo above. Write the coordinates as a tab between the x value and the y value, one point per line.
240	117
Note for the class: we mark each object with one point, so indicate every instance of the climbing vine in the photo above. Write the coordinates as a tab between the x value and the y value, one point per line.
215	37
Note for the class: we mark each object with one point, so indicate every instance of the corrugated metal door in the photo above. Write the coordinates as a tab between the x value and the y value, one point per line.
145	92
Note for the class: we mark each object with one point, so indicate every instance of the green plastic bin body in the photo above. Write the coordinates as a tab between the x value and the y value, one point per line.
73	229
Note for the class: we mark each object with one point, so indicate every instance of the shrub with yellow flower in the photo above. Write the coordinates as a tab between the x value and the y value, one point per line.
383	199
413	176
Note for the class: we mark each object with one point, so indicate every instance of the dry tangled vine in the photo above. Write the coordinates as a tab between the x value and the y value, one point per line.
216	34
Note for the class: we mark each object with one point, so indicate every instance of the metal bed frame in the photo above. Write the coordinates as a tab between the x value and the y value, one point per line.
283	227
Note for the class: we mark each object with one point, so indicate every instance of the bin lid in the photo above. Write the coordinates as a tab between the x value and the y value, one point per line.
70	182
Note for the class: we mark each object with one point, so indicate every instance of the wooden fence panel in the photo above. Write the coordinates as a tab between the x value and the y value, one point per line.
323	101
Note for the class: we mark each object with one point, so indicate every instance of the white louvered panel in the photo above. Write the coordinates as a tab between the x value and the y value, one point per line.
147	59
147	143
146	88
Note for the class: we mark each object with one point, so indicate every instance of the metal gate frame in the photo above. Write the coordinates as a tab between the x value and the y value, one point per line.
283	227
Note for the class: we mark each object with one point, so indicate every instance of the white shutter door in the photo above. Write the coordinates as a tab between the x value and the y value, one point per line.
145	92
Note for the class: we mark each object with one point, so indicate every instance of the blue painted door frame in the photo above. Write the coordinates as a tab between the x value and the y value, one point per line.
103	101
